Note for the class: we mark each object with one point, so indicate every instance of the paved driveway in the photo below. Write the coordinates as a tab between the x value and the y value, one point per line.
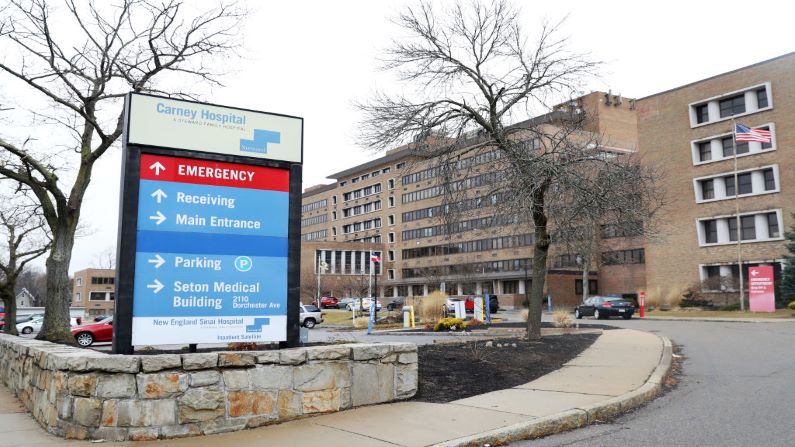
738	389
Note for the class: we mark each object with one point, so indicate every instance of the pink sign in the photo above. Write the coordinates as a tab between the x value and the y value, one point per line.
761	294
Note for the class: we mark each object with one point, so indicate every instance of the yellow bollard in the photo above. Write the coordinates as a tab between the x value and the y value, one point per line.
411	315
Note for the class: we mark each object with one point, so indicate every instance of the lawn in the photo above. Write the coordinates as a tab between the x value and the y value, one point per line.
781	313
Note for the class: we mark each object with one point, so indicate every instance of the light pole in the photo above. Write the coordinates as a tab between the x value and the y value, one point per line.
322	266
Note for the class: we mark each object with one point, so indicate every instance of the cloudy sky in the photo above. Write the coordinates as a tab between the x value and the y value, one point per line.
314	58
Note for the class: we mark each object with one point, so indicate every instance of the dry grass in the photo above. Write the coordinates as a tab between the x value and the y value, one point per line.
429	308
525	314
563	319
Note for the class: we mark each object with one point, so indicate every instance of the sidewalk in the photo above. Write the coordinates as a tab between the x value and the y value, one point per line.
723	319
622	369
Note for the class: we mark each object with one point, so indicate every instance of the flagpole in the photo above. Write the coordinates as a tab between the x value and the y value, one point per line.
370	277
737	217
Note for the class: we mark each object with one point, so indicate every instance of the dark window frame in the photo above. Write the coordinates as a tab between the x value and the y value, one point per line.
748	227
708	189
734	105
710	228
702	113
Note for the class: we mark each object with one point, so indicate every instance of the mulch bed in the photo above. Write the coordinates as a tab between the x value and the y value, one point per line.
452	371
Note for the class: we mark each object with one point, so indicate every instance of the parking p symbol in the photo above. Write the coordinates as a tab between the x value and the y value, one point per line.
243	263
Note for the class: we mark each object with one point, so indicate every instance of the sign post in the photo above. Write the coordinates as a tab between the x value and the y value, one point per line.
761	290
209	225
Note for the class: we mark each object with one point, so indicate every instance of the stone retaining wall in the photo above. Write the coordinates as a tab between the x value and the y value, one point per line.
84	394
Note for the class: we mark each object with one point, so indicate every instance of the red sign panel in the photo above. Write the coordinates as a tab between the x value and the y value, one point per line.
205	172
761	293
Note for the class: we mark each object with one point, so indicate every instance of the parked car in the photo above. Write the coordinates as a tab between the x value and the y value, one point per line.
365	302
494	304
88	334
30	326
396	304
343	303
99	318
329	301
310	316
605	307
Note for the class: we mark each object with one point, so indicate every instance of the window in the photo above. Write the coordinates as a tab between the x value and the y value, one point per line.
333	215
355	180
711	271
593	287
333	231
342	184
102	280
391	202
710	231
772	225
79	282
391	238
631	256
386	170
732	221
375	173
761	98
728	147
365	176
313	235
748	227
732	106
702	113
729	181
708	189
391	219
96	296
77	296
705	151
768	145
391	183
770	179
390	274
334	200
314	206
744	180
400	165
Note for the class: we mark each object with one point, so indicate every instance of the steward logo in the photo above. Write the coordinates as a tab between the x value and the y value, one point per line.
259	143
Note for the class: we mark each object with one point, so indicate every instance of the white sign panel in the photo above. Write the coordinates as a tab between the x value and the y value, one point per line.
177	124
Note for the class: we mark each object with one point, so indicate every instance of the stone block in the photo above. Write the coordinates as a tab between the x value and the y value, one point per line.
180	431
372	383
328	353
259	421
406	381
391	358
223	425
111	434
226	359
143	434
268	357
110	412
114	363
204	378
322	376
131	413
115	385
236	379
72	431
162	412
87	411
403	347
408	357
201	404
192	362
289	404
320	401
64	405
292	356
154	363
370	351
251	403
271	377
82	385
159	385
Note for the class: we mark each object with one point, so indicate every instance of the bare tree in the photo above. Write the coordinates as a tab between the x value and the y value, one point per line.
474	73
24	240
123	47
106	259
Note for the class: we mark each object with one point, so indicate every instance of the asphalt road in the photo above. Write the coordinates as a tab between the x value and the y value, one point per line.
737	389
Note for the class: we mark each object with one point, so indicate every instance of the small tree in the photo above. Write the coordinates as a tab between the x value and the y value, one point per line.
788	280
80	63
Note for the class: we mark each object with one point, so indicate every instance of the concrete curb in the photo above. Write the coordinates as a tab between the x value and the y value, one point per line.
576	417
724	320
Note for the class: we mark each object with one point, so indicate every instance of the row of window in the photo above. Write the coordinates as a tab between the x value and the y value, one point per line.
726	277
362	192
511	265
631	256
314	235
471	182
314	220
347	262
361	226
449	168
370	239
722	147
460	227
361	209
455	207
97	280
752	227
748	182
314	206
738	103
627	229
495	243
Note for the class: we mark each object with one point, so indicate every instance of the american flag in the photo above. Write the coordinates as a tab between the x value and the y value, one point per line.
375	258
743	133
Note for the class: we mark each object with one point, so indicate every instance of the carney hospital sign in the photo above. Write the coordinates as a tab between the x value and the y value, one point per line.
209	235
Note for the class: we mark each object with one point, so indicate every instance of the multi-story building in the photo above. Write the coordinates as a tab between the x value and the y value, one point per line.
397	205
688	131
94	289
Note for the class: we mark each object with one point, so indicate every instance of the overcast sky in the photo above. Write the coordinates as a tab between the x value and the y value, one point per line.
314	58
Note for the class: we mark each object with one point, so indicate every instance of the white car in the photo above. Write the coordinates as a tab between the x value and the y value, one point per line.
365	304
30	326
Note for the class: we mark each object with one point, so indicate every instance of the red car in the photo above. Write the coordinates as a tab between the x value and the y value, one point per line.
329	301
494	305
90	333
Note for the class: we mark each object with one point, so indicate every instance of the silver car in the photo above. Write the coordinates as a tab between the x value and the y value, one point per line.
310	316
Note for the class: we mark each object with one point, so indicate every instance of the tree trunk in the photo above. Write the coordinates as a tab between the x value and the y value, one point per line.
585	279
540	250
10	305
56	304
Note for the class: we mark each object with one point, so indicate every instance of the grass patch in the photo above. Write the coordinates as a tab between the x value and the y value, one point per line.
781	313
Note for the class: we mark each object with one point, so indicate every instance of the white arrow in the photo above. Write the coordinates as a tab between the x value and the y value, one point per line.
159	195
157	286
754	272
157	167
158	261
159	217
